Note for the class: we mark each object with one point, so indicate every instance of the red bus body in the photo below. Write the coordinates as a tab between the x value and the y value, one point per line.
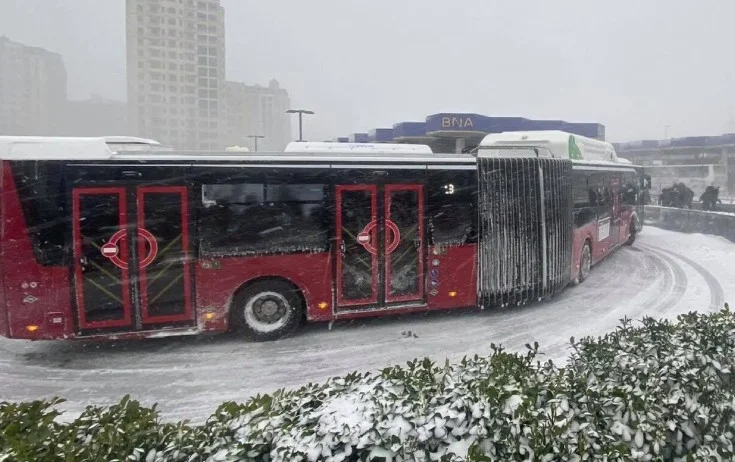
40	301
613	230
37	299
46	302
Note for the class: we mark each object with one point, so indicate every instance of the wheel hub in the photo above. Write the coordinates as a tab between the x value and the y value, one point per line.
268	310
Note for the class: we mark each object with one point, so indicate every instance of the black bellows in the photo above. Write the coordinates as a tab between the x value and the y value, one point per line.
525	245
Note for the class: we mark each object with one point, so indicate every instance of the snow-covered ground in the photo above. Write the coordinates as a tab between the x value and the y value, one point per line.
662	275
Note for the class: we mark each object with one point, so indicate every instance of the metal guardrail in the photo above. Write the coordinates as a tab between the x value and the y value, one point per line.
691	221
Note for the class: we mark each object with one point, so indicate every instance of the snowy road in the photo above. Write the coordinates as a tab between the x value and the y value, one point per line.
663	275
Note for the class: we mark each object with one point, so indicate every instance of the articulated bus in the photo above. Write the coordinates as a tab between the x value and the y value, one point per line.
99	242
603	193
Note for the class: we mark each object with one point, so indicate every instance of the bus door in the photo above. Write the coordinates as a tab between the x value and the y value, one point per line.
380	245
131	257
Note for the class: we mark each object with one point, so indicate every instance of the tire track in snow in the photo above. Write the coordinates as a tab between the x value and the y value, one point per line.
645	297
534	315
676	281
672	285
717	294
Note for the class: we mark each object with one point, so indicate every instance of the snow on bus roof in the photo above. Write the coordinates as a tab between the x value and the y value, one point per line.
349	148
278	158
560	144
139	149
130	140
237	149
72	148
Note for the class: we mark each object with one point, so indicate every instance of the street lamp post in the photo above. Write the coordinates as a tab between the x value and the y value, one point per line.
255	137
300	112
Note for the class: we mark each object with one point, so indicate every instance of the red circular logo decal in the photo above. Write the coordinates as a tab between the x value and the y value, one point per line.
393	245
152	247
364	237
111	249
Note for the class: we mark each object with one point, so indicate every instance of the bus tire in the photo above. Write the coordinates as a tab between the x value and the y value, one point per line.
585	262
267	310
633	232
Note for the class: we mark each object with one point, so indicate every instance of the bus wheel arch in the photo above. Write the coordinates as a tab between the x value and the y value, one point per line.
267	308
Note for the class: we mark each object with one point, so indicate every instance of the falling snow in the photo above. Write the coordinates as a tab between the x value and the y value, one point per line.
664	274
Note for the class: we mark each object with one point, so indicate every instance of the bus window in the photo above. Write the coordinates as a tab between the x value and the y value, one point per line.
630	189
451	207
585	198
254	218
40	188
581	190
600	194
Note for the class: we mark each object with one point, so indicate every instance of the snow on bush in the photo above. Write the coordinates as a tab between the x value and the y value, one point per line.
657	391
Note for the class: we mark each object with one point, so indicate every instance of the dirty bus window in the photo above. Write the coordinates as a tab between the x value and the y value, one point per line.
255	218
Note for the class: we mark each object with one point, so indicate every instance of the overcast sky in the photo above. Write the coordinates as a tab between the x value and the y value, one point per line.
635	66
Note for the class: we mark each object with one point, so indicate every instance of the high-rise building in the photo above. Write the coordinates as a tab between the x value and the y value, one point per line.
176	72
260	111
32	90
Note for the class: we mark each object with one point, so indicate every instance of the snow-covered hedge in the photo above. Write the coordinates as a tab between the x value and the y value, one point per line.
654	391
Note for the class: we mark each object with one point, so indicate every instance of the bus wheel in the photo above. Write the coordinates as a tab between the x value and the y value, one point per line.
585	262
267	310
633	232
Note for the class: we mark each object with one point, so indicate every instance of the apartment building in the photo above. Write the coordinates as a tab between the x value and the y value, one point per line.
259	111
176	72
32	90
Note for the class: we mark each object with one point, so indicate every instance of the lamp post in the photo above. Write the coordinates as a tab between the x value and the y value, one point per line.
255	137
301	113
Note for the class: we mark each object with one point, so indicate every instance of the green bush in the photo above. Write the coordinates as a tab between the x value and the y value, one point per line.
655	391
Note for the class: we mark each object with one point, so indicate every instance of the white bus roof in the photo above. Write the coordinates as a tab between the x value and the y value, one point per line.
100	149
383	148
72	148
561	145
314	159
